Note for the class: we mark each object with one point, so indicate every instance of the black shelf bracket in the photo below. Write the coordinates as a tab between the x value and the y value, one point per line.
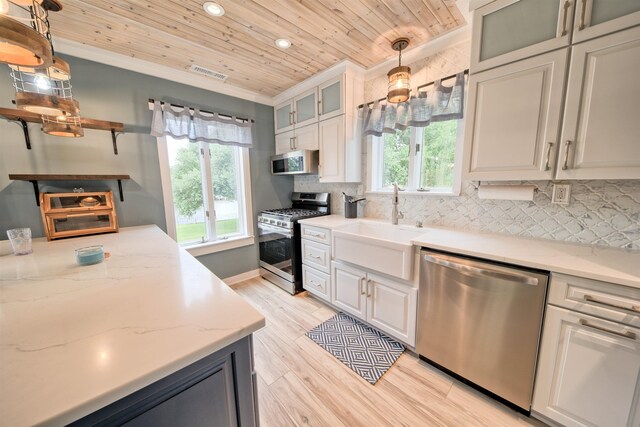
25	129
120	189
114	139
36	191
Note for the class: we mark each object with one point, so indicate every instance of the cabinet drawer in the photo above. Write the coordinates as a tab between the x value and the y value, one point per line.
316	234
602	299
316	282
316	255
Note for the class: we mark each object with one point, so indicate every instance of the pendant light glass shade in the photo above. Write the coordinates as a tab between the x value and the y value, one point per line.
399	77
399	84
24	33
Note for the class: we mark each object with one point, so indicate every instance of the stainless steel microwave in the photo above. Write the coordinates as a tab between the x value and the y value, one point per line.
295	163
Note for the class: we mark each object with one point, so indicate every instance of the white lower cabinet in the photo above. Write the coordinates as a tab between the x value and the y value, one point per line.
316	282
384	303
588	371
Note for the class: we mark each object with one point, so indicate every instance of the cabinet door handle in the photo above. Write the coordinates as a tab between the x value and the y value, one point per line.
290	117
362	291
315	256
565	164
546	165
634	308
291	143
295	142
319	107
566	6
626	334
583	13
311	233
295	117
368	283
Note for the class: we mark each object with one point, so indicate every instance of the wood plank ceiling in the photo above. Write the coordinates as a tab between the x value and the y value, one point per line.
241	43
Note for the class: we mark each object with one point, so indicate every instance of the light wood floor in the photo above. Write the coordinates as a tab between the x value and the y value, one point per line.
300	384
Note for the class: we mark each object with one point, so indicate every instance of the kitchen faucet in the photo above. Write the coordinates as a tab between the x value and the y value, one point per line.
395	213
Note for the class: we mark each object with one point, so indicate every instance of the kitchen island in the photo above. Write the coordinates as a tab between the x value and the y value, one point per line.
145	334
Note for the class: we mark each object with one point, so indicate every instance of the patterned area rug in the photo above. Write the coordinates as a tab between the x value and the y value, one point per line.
368	352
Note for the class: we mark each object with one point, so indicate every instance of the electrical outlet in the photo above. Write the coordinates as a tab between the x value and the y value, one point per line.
561	194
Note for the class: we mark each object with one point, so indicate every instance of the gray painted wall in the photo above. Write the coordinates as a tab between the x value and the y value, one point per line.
109	93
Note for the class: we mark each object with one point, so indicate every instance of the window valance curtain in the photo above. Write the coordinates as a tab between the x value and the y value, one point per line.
439	104
197	126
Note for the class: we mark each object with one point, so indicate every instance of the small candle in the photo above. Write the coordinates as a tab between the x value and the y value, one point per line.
90	255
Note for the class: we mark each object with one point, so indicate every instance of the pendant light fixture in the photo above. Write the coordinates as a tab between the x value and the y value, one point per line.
24	32
400	76
65	126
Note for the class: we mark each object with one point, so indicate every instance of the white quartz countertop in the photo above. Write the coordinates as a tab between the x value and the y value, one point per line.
593	262
75	339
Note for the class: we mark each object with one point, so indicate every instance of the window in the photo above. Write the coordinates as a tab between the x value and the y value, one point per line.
421	159
207	200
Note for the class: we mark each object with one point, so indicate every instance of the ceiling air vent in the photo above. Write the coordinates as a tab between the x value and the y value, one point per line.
207	72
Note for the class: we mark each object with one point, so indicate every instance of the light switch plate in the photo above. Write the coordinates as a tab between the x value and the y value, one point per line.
561	194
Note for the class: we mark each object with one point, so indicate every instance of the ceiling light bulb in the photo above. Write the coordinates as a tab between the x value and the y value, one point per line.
283	43
43	83
213	9
4	7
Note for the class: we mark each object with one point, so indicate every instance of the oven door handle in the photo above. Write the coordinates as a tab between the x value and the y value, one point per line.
279	230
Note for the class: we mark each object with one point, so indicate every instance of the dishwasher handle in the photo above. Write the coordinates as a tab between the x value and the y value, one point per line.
481	271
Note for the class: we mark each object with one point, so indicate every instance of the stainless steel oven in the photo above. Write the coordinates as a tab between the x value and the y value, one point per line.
280	241
277	250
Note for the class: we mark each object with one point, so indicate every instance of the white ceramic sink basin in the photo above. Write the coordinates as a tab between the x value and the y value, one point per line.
377	246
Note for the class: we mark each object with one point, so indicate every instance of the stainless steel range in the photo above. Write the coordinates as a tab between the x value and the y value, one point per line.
279	237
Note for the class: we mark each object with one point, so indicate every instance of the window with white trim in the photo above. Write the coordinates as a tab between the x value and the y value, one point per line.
419	159
206	192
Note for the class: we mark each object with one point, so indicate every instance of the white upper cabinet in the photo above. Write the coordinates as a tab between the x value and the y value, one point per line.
284	116
331	101
297	112
513	119
601	131
599	17
340	151
508	30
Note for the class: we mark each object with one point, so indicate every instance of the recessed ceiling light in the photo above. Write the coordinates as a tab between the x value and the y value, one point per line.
213	9
283	43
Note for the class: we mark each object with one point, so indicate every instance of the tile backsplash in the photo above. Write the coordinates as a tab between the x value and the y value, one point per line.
601	212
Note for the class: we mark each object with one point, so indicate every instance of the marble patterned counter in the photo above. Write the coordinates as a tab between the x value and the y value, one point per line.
620	266
75	339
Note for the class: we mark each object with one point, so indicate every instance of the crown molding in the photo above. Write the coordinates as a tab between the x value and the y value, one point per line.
103	56
319	78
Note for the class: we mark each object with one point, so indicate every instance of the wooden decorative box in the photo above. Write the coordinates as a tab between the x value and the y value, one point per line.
78	214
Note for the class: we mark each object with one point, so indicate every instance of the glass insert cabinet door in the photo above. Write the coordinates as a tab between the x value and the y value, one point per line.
331	103
508	30
306	111
284	117
594	18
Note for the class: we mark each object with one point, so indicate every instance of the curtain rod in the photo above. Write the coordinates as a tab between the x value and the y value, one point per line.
242	119
464	72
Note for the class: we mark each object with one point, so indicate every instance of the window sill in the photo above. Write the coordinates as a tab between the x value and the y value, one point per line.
220	245
414	193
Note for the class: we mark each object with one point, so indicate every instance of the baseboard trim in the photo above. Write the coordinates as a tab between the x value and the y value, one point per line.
238	278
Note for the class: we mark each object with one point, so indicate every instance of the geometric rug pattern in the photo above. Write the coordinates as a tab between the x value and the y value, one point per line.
368	352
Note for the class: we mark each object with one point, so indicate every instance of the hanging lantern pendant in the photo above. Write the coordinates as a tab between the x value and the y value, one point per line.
400	76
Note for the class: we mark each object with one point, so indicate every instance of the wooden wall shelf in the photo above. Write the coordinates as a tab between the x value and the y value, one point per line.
34	178
24	117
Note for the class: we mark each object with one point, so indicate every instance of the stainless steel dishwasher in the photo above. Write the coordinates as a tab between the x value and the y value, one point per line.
481	321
